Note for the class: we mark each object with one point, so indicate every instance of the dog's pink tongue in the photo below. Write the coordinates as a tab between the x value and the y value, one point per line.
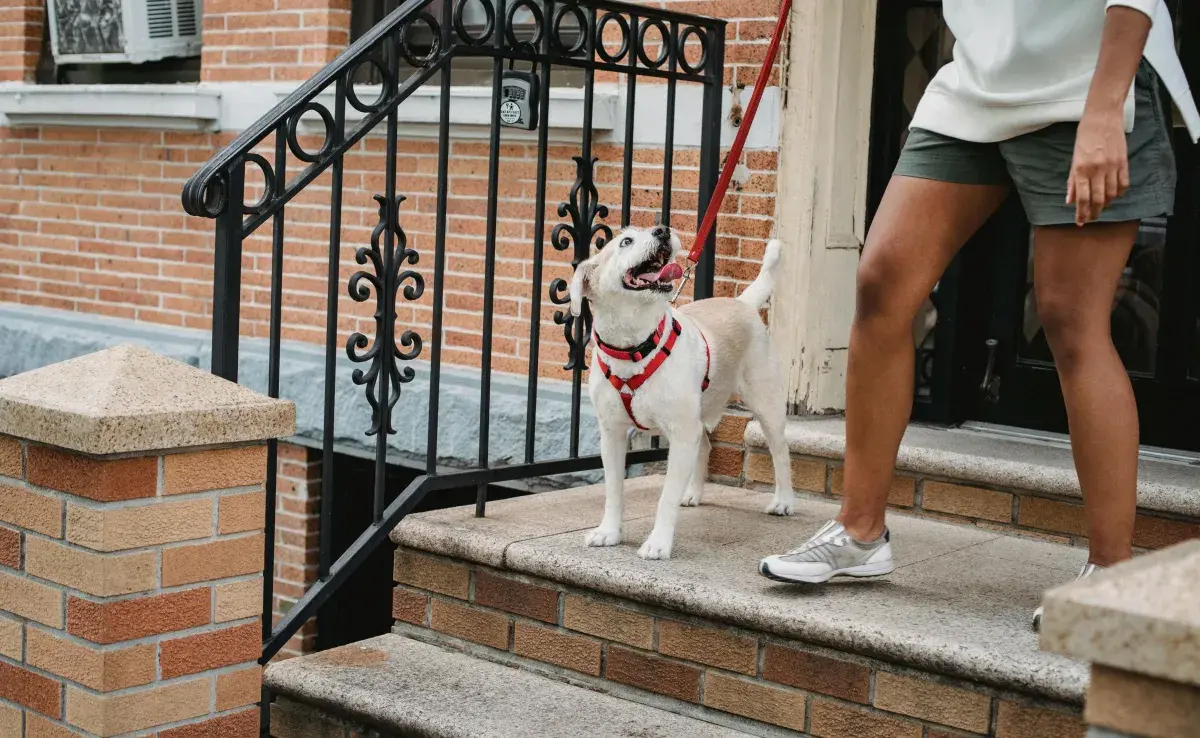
669	273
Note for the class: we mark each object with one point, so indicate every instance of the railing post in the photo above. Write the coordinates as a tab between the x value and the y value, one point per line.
227	277
710	156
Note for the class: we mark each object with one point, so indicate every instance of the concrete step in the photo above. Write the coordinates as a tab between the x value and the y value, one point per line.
943	643
396	686
993	478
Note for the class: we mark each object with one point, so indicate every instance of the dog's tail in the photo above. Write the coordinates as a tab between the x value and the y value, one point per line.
759	291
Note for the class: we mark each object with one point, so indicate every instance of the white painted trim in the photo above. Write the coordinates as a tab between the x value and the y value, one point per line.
820	206
471	111
234	106
159	107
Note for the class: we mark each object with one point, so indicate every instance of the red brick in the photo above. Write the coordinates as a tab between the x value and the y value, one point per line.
10	548
832	720
710	646
653	674
212	650
435	575
1155	532
563	649
409	606
242	724
468	623
123	620
815	673
96	479
725	461
513	596
30	690
731	429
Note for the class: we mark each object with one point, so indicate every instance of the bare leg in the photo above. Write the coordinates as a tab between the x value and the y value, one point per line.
1075	276
921	224
613	446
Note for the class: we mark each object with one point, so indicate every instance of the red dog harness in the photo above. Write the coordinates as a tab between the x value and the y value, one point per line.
626	387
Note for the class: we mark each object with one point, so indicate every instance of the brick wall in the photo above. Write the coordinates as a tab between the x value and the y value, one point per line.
697	662
21	27
90	219
130	591
297	535
90	222
265	40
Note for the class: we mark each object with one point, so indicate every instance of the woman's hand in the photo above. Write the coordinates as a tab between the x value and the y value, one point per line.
1100	164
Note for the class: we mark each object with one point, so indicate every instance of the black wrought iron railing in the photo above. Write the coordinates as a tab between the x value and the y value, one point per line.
419	44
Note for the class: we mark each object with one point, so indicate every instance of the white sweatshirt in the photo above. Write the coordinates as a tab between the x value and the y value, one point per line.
1021	65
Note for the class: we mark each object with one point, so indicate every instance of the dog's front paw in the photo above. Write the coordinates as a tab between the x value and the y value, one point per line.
778	506
603	537
655	547
691	499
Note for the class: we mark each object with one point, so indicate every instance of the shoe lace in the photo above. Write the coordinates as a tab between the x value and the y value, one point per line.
823	538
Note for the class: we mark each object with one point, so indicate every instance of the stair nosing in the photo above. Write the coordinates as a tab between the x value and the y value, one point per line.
813	437
305	679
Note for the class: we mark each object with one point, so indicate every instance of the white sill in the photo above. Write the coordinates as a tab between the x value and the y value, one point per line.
471	111
178	107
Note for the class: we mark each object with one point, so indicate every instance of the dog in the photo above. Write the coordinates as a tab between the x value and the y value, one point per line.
655	367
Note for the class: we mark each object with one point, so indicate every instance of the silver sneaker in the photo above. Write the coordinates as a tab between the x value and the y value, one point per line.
830	553
1087	570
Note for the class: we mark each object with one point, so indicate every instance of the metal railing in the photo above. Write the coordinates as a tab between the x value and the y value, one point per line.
418	42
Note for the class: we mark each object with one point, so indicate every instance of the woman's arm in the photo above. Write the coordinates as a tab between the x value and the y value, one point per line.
1100	166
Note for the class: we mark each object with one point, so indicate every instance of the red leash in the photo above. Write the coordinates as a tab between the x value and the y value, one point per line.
735	153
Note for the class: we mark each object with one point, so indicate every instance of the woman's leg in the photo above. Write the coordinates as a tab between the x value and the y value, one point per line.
919	227
1075	272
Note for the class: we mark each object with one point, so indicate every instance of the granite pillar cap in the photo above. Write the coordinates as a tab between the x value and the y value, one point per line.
127	399
1142	616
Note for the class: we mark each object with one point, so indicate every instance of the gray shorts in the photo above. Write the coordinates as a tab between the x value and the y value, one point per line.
1037	163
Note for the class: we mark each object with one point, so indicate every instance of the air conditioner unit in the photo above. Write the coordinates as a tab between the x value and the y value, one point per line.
137	31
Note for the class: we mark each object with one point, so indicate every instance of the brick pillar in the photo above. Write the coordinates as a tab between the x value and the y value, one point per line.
297	533
21	24
271	40
131	548
1137	624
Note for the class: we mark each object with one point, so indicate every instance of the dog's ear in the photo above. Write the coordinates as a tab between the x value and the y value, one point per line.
581	284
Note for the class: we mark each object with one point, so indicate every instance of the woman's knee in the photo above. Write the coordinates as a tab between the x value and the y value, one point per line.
882	292
1070	331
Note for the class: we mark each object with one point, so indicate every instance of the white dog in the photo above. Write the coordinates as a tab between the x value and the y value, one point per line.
674	370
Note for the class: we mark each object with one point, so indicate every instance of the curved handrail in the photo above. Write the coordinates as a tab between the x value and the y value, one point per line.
196	188
198	195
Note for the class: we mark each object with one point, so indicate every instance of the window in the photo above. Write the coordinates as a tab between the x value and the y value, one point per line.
120	42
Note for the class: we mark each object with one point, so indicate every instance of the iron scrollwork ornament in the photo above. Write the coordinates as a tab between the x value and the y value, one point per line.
582	209
384	354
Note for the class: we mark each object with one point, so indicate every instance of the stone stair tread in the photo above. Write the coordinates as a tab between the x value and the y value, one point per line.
414	688
958	604
1164	485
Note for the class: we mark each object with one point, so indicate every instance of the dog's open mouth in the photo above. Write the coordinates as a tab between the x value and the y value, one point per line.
656	273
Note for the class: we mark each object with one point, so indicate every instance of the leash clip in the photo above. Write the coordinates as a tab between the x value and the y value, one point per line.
687	276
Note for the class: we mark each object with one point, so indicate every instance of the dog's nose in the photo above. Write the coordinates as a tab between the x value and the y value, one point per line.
660	231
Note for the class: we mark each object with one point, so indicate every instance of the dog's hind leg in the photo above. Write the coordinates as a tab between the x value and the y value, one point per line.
682	455
613	445
762	391
695	489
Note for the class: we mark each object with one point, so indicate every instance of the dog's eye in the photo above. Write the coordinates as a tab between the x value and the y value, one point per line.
627	241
